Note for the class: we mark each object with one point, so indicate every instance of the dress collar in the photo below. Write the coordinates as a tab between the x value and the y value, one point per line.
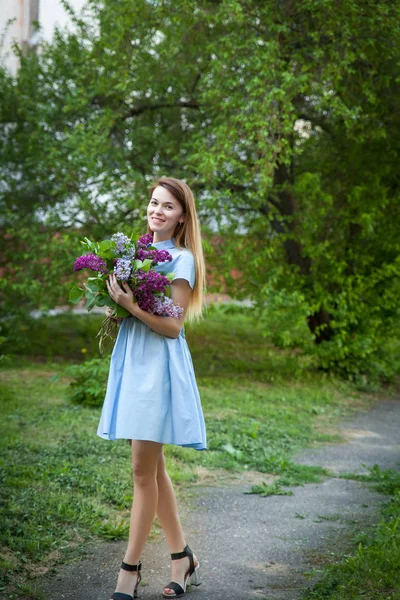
165	245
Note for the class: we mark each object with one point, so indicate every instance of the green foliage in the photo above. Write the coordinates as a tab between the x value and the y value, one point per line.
53	493
89	381
373	570
272	489
62	485
301	474
59	337
75	295
320	207
283	317
242	441
35	270
282	117
117	530
385	481
241	343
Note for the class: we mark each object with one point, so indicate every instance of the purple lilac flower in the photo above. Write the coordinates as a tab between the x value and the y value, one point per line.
143	254
90	261
123	268
152	281
145	240
156	256
163	256
123	243
147	284
159	305
145	300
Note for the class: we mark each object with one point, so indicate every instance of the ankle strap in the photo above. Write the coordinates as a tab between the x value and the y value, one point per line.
127	567
186	552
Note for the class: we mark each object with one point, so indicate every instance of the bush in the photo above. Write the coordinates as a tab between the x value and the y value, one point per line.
67	336
89	382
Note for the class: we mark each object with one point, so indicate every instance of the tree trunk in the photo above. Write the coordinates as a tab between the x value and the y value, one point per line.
283	177
318	323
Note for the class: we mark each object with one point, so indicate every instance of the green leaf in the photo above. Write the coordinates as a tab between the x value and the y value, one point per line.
146	265
92	286
122	312
86	243
231	450
108	254
75	294
91	302
107	249
104	245
109	302
100	300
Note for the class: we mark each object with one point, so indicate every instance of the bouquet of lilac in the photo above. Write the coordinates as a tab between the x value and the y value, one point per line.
133	263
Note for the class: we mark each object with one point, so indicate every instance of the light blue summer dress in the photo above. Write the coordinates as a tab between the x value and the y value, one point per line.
151	391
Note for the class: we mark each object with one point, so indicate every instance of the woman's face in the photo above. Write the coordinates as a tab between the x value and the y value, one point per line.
164	212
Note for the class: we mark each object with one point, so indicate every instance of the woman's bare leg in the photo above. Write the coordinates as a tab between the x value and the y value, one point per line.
145	458
167	512
167	509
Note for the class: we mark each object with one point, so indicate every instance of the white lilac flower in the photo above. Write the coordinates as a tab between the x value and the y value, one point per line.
166	307
122	243
123	268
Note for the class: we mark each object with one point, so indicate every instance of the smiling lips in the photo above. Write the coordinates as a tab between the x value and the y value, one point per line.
157	219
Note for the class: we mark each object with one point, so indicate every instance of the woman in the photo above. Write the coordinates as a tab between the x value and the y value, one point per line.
152	397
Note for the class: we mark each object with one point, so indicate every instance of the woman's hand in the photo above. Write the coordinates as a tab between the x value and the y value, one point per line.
123	297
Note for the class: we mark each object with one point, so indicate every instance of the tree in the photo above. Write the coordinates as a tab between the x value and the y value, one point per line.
324	206
280	114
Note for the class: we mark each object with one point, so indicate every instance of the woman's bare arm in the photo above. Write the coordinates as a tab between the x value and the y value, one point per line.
168	326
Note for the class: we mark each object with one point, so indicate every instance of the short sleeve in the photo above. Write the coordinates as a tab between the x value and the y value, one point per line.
183	268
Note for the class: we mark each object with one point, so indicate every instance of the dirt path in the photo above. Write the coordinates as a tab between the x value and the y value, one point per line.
251	547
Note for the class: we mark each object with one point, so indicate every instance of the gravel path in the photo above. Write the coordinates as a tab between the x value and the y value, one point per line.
251	547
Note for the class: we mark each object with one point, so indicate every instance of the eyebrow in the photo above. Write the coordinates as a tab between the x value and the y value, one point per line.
166	202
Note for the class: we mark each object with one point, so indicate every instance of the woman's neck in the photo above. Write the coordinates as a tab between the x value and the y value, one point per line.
161	237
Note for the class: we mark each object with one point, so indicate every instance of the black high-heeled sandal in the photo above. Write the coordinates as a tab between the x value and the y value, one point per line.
193	575
126	567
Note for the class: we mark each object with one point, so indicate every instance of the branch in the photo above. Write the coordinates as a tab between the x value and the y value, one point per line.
141	109
196	81
274	203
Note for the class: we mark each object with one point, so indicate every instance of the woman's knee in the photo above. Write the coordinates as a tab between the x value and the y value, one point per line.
142	475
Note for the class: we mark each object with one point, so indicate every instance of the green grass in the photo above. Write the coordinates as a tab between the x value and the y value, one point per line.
61	485
271	489
372	570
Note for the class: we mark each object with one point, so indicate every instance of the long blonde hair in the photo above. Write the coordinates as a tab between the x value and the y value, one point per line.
187	235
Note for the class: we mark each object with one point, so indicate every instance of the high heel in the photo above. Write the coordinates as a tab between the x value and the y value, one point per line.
193	575
126	567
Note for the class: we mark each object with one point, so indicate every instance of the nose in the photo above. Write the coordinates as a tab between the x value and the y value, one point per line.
158	210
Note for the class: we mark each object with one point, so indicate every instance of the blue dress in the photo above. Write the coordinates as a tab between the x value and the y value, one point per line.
151	391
